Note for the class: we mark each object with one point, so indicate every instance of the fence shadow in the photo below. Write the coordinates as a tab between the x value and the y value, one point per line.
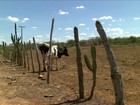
74	101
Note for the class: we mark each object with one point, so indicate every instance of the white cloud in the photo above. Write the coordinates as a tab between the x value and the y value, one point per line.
13	19
68	29
47	35
105	18
82	34
102	23
34	27
136	35
59	28
63	12
80	7
120	19
136	18
88	28
68	37
38	36
93	35
25	20
116	32
113	20
110	25
82	24
38	39
94	19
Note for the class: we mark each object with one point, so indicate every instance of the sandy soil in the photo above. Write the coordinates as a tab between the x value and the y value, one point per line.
19	86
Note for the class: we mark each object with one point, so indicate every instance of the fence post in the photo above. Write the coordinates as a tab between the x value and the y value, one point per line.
4	47
37	54
31	57
27	56
49	58
24	55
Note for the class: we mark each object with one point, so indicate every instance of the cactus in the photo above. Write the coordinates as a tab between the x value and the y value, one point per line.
17	52
115	74
92	66
79	64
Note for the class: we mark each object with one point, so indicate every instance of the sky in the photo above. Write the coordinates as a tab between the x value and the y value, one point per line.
120	18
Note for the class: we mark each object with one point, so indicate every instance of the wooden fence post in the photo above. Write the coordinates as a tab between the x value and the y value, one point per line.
24	55
27	56
115	75
49	58
31	53
4	47
37	54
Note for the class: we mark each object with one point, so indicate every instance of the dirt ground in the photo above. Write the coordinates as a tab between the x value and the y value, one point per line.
19	86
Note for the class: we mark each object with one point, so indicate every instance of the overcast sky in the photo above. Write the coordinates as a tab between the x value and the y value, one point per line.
120	18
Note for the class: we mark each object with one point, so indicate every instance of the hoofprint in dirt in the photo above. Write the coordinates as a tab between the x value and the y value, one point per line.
21	86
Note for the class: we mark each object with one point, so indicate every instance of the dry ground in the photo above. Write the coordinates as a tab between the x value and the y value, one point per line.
19	86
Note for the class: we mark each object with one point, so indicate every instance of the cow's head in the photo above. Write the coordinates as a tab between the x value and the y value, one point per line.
66	51
62	51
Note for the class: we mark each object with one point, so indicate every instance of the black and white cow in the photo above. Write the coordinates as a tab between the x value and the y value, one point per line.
56	53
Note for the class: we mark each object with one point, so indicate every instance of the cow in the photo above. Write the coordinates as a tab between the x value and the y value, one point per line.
56	53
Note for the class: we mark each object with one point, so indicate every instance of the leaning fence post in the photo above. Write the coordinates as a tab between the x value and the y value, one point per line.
24	54
115	74
49	58
27	55
4	47
37	54
31	56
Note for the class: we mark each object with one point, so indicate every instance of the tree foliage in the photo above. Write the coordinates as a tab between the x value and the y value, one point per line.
132	40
